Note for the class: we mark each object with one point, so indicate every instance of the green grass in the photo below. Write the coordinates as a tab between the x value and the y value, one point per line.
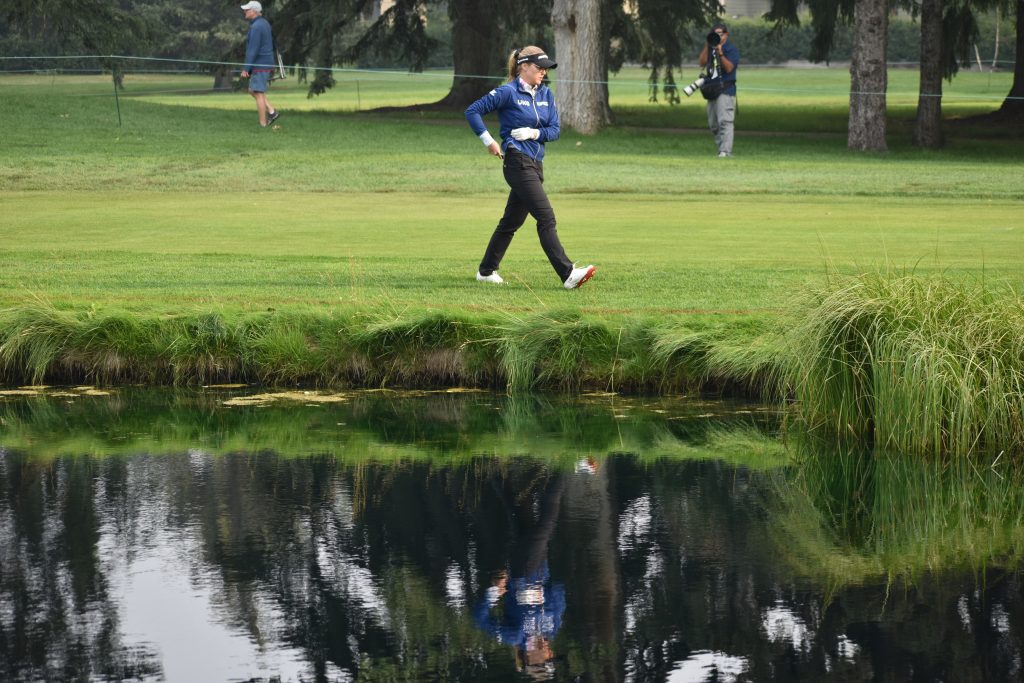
818	88
187	244
162	252
379	346
917	365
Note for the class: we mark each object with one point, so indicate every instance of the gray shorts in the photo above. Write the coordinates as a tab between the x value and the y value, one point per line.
259	81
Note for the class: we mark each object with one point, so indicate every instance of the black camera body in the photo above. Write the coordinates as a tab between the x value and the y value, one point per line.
714	39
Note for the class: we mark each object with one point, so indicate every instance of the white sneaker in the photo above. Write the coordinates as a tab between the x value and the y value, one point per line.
493	277
578	276
723	155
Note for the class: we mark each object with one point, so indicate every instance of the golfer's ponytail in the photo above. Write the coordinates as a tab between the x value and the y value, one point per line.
513	66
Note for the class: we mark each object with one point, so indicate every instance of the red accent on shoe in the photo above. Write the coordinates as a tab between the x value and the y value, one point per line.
590	273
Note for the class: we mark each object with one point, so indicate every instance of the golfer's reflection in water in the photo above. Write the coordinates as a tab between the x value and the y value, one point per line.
524	612
523	607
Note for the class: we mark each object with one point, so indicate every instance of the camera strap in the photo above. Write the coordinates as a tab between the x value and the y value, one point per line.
715	67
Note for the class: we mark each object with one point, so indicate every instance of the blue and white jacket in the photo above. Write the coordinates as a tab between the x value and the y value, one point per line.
259	49
518	108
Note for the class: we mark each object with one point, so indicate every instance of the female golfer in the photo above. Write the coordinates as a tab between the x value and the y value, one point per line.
526	111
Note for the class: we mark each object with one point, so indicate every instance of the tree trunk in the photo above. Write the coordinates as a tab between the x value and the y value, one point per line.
868	77
222	78
928	127
1013	105
475	52
595	560
582	66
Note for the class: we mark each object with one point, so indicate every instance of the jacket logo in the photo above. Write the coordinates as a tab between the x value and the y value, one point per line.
542	104
523	103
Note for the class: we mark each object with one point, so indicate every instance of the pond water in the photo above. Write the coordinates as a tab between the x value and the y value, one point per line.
212	536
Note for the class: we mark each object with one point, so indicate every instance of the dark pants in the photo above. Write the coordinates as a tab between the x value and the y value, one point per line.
525	177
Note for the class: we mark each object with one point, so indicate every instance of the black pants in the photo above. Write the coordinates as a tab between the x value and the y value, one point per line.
525	177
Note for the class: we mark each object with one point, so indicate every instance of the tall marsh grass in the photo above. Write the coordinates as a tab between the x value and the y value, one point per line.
563	351
924	365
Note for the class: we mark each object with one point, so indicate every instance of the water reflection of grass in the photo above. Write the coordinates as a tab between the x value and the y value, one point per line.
852	515
414	603
738	445
840	516
387	426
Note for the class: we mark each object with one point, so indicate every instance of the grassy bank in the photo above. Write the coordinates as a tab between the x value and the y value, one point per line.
919	365
350	346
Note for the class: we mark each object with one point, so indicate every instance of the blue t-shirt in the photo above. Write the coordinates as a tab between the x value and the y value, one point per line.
732	53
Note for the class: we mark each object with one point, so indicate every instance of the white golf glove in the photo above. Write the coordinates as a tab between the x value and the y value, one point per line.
525	133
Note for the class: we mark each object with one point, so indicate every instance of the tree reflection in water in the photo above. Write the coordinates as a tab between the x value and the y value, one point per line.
440	557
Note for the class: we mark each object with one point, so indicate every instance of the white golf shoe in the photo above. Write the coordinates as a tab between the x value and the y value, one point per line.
493	277
578	276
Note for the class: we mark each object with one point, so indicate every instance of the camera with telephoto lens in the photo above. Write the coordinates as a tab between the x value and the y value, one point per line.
713	40
694	87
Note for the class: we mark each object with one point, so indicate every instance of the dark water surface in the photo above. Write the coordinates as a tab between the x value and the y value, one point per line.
472	537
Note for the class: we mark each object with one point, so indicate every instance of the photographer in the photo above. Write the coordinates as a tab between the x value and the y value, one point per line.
722	109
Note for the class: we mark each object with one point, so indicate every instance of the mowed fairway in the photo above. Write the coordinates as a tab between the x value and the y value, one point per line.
158	250
188	206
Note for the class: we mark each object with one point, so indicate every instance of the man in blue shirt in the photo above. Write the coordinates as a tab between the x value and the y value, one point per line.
259	61
722	109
